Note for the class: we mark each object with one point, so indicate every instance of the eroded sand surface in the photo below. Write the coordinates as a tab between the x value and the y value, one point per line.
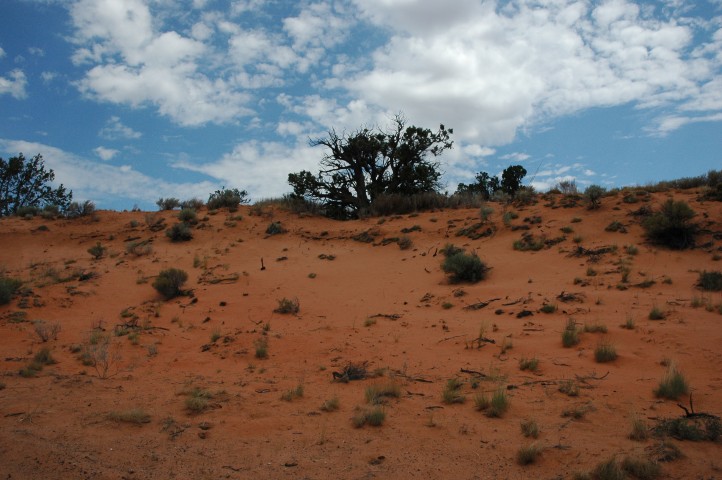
370	303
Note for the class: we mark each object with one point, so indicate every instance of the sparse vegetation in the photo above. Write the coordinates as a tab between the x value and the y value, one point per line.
261	346
167	203
710	281
97	250
275	228
530	429
605	352
452	392
374	416
180	232
198	400
672	385
462	267
294	393
331	405
671	226
548	308
229	198
46	331
136	416
640	430
531	364
570	335
288	306
569	387
657	313
528	455
169	282
8	287
378	393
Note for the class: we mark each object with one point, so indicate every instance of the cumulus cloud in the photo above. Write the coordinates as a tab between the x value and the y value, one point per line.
14	84
492	68
115	130
261	168
92	180
105	154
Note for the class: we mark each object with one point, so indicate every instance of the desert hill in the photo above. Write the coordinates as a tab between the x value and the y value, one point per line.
219	383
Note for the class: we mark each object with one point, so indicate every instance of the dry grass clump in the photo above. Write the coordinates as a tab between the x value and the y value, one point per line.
672	385
198	400
531	364
169	282
374	416
529	428
605	352
46	331
261	346
528	455
331	405
493	407
569	387
287	305
135	416
294	393
640	430
657	313
570	335
379	393
452	392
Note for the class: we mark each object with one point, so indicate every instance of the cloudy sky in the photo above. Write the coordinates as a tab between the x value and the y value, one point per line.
132	100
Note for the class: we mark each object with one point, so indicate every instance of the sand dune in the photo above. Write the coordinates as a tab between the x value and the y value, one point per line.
369	303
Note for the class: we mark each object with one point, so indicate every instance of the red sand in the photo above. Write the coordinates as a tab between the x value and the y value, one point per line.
58	424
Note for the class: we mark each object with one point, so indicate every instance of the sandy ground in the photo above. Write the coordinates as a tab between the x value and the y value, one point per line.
359	302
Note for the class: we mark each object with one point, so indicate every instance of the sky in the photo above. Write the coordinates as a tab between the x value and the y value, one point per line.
129	101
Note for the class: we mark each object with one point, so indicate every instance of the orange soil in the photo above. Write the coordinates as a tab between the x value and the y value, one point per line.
57	425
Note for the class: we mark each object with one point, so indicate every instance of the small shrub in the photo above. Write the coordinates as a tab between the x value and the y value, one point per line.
631	250
97	250
180	232
138	248
569	387
193	203
671	227
287	305
548	308
481	402
8	287
657	313
330	405
275	228
46	331
462	267
529	428
405	242
261	345
642	469
168	203
76	210
593	195
640	430
605	352
377	394
228	198
451	392
529	243
499	404
169	282
528	455
290	395
531	364
595	328
215	335
374	417
188	215
672	385
629	324
450	249
616	226
567	230
710	281
135	416
609	470
197	400
570	335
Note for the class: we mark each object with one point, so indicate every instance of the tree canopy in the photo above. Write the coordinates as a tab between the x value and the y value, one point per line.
26	183
363	165
486	184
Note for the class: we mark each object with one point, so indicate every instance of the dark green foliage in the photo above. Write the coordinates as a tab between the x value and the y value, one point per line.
180	232
462	267
672	226
275	228
169	282
26	183
188	215
8	287
594	194
511	179
193	204
77	210
485	186
97	250
168	203
361	166
710	281
450	249
228	198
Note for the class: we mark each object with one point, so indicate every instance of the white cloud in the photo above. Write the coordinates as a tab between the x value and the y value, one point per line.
261	168
670	123
516	157
114	130
92	180
14	84
491	69
105	154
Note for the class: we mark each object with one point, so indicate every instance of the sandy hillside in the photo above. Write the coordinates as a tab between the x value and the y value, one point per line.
366	303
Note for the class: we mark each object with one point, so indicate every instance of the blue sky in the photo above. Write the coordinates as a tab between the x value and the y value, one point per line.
132	100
